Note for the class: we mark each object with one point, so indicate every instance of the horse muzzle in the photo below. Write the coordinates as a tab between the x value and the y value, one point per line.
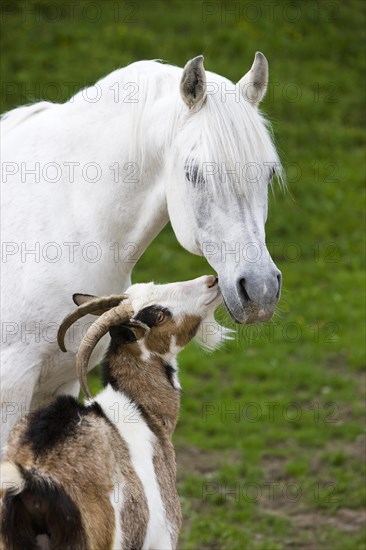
253	298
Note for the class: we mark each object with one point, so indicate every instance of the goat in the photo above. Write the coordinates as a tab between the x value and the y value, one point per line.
102	474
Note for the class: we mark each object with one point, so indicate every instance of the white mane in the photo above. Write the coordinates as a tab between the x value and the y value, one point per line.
139	87
218	131
149	95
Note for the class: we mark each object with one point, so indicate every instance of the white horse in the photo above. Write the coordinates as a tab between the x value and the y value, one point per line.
88	184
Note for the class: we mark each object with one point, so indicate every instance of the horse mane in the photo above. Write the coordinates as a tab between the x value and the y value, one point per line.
228	129
20	114
228	133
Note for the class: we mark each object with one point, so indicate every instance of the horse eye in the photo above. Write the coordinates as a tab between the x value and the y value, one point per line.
193	174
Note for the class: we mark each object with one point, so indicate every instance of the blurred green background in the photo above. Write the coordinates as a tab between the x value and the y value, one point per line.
285	469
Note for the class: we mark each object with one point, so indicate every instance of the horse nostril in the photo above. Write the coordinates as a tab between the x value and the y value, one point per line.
243	289
279	283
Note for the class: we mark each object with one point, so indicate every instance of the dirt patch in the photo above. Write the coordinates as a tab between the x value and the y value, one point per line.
274	467
357	449
345	519
307	526
337	362
282	496
202	461
205	464
353	451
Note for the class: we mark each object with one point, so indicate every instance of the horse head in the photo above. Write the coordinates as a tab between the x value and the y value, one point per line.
221	164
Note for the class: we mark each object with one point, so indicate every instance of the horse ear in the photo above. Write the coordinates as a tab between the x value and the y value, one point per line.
193	83
253	85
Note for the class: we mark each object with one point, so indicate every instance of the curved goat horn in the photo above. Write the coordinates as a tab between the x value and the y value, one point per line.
119	315
100	305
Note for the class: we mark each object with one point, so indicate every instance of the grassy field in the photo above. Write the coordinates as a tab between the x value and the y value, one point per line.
271	438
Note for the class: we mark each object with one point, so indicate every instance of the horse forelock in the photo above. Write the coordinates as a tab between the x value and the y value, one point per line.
228	143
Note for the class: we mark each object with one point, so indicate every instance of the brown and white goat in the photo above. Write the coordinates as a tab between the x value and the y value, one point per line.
102	475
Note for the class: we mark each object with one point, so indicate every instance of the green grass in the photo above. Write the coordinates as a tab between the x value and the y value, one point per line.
285	468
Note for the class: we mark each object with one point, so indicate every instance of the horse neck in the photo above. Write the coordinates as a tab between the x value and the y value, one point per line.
136	205
148	216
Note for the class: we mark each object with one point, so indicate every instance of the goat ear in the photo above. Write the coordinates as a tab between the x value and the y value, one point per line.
193	83
122	334
130	332
80	299
139	329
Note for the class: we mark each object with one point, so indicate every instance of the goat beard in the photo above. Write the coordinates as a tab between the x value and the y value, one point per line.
211	335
